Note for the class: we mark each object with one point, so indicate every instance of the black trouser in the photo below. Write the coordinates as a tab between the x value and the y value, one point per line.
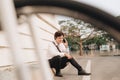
58	63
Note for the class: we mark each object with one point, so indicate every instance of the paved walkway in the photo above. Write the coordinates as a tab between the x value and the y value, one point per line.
70	73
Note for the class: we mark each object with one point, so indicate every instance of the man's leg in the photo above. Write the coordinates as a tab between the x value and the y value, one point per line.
55	62
64	62
78	67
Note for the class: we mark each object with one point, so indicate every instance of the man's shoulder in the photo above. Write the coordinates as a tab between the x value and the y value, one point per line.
50	43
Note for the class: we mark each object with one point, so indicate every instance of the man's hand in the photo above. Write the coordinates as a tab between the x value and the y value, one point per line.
68	56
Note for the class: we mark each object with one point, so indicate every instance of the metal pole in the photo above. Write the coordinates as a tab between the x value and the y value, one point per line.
44	67
9	25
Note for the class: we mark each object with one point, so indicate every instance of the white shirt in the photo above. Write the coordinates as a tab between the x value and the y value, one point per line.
63	48
53	51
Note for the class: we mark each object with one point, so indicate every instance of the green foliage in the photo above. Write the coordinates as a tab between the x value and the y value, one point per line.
74	26
99	40
75	29
73	43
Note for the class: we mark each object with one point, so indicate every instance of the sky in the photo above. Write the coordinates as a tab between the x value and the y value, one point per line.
110	6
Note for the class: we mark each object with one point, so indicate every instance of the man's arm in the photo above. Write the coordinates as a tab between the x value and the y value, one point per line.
52	50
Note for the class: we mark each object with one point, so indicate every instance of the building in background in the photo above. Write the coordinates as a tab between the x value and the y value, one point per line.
44	24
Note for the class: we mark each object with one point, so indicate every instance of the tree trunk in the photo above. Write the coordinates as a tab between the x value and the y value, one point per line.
81	46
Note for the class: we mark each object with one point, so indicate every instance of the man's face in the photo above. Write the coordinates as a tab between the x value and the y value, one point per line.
59	39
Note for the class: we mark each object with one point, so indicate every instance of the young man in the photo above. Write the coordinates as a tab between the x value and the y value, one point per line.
58	58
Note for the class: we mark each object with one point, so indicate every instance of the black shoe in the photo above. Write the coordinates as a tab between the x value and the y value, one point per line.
58	75
82	72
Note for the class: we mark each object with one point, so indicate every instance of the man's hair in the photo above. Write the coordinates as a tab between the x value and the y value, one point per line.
58	34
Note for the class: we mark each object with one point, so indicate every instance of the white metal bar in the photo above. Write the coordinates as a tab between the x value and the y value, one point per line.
9	25
88	69
44	67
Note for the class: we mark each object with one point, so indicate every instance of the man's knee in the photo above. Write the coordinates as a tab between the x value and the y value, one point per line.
55	61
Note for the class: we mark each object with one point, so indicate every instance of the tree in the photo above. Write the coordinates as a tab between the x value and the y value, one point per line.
76	32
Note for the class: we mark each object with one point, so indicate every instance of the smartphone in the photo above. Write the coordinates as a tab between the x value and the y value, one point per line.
64	40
